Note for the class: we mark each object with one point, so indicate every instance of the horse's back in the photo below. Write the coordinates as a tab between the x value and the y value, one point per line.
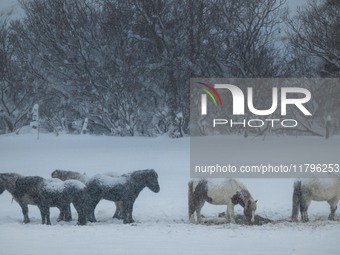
106	187
321	189
69	175
220	191
29	184
67	186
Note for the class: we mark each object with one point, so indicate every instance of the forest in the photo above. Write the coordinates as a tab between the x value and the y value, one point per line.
123	68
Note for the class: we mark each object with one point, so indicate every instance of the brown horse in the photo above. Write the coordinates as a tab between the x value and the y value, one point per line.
228	192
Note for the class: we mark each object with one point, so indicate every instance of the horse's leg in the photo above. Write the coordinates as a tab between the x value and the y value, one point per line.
61	214
65	213
230	213
304	204
48	216
91	209
296	201
68	214
333	205
43	214
198	211
119	210
192	211
127	211
81	210
195	207
24	209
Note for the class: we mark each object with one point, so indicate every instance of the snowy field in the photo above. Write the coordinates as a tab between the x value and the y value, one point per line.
162	226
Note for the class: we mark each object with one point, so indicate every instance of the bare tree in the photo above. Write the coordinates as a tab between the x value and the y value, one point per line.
316	31
17	91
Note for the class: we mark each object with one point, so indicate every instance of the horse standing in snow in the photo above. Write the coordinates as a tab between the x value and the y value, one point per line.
72	175
8	181
125	188
62	194
315	189
228	192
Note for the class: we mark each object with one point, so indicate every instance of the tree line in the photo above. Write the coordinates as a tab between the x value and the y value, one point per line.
124	66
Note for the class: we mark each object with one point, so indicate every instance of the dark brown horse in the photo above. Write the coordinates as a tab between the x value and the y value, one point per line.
8	182
35	190
125	188
72	175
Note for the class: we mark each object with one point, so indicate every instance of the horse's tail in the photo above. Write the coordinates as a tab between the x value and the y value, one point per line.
191	206
296	200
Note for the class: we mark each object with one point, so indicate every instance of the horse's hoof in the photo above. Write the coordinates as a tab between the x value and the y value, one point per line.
117	217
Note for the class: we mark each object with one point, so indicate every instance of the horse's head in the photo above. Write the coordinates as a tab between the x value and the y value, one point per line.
56	174
7	181
151	178
249	210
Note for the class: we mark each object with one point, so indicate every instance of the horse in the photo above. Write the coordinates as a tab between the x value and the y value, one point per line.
228	192
72	175
306	190
69	175
35	190
125	188
52	193
8	182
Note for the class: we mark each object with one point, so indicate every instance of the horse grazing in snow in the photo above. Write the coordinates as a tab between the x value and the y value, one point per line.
72	175
125	188
228	192
315	189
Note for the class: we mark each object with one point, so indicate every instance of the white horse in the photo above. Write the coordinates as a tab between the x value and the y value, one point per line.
228	192
306	190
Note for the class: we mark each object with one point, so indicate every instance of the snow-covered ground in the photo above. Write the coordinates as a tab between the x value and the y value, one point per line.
162	226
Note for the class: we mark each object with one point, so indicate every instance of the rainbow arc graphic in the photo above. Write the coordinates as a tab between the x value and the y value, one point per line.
211	92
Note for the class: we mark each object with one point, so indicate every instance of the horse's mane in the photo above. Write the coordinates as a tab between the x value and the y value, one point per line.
142	173
11	175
